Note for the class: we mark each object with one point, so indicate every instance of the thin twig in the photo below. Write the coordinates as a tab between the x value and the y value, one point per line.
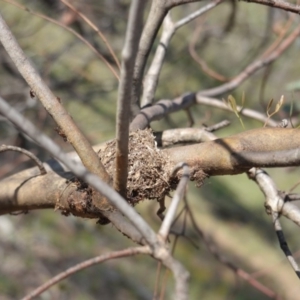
217	253
60	24
178	195
164	107
247	112
96	29
281	4
205	68
218	126
283	244
291	197
124	95
52	104
83	265
252	68
40	165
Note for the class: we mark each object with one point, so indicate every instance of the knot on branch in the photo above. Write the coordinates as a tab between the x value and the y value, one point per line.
78	200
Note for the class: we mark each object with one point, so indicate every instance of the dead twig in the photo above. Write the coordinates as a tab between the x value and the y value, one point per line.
83	265
252	67
60	24
40	165
287	6
96	29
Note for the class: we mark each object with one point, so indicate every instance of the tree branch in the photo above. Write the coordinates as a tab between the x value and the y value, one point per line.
229	155
169	29
178	195
281	4
172	137
83	265
155	18
164	107
250	113
252	68
95	28
124	95
4	148
79	170
273	200
51	103
60	24
283	244
160	110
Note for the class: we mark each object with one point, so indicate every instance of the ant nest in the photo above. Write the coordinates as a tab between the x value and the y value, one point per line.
149	169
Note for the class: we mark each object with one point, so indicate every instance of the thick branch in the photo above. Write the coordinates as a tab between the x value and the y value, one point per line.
229	155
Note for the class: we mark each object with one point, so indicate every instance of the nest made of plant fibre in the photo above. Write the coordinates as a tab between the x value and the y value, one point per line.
149	169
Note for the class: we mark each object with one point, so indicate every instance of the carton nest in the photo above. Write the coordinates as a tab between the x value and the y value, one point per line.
149	169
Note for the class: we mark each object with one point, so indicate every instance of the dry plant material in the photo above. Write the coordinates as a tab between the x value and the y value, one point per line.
149	169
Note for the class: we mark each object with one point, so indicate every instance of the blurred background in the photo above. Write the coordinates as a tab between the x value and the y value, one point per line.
40	244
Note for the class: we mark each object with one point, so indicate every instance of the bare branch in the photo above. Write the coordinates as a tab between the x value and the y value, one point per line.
250	113
161	109
283	244
281	4
124	95
182	135
217	253
172	3
180	274
201	62
60	24
274	202
155	18
236	154
178	195
164	107
51	103
151	79
169	29
252	68
95	28
79	170
284	158
4	148
83	265
217	126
